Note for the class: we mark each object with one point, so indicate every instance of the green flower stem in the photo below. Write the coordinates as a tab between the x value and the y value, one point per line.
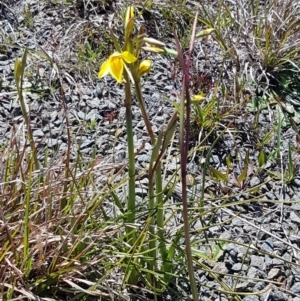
19	76
152	238
160	213
158	182
131	167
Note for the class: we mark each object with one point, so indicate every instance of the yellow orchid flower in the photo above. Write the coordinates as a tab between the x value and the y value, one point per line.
115	65
144	67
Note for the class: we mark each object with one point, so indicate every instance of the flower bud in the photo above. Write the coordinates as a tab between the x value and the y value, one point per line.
205	32
154	42
153	49
129	20
144	67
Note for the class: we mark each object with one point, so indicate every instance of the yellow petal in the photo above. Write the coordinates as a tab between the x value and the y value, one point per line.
116	65
115	54
144	67
128	57
104	69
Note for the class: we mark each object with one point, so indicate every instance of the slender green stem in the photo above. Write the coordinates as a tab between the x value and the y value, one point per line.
27	258
185	111
158	184
131	164
19	77
152	234
160	213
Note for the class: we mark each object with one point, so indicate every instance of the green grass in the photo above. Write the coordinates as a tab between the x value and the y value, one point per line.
63	219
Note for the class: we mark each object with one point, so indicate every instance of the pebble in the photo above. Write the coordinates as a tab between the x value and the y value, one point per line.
239	267
294	217
273	273
296	288
268	245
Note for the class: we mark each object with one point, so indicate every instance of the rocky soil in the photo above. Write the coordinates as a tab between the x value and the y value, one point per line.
265	229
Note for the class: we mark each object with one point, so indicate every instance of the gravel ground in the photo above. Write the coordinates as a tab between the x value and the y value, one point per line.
268	224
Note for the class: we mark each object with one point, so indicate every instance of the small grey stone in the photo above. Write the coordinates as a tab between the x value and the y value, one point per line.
93	103
220	267
52	142
254	181
252	272
99	90
231	248
93	115
295	206
38	133
237	222
296	182
225	235
249	228
86	143
296	299
159	119
244	286
268	261
81	115
141	192
143	158
277	295
287	256
251	298
296	288
273	273
294	217
268	245
259	286
3	63
238	267
277	262
214	159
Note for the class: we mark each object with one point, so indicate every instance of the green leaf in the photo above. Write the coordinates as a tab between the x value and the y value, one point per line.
219	250
242	177
155	150
218	175
169	132
246	162
199	254
262	158
290	163
228	161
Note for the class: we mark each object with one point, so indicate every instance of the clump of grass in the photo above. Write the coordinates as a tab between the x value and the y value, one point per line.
28	16
92	45
263	42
